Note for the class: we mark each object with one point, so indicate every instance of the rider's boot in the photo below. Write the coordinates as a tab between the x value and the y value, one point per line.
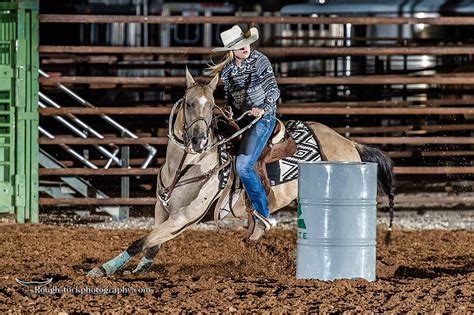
259	226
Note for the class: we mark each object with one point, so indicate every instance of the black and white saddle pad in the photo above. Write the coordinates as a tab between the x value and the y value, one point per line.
284	170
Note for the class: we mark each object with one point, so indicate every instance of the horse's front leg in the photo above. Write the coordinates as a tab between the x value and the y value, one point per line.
171	228
182	218
161	215
177	223
111	266
147	260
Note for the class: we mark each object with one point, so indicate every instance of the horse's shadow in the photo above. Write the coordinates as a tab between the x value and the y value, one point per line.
139	278
195	271
432	273
224	268
86	264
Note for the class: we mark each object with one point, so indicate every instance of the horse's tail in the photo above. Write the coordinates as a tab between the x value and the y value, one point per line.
385	177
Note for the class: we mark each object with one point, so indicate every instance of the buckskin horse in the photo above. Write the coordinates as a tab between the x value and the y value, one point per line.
188	181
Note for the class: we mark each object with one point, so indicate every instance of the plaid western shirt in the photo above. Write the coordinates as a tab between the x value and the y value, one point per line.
253	84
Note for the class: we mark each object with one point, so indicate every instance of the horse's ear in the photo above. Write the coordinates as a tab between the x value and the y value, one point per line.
213	84
189	78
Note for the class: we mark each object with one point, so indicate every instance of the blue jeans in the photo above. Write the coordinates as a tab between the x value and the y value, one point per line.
252	145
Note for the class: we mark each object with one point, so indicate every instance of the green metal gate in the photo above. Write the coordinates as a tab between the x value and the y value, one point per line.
18	109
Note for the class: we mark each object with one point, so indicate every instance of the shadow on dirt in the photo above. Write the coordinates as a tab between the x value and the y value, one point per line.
423	273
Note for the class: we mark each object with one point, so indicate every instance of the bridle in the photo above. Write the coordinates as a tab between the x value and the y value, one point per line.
164	193
187	127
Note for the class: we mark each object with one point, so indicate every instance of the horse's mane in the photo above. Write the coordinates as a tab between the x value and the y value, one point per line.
200	82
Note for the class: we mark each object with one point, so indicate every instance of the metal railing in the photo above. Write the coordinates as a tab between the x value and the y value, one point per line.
413	145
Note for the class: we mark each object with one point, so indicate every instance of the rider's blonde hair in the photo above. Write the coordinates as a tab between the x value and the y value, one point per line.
215	68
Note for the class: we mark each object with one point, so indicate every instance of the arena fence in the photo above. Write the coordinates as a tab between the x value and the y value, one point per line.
425	136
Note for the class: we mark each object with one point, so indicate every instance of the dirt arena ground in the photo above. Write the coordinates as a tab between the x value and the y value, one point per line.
430	270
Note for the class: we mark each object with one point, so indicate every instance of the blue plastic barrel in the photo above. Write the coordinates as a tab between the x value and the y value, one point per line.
336	220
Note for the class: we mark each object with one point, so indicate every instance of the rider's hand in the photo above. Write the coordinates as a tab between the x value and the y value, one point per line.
229	111
256	112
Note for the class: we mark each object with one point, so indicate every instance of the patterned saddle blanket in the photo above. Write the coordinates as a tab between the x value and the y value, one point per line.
285	170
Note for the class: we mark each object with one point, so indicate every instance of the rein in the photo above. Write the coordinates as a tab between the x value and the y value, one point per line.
208	148
239	132
164	193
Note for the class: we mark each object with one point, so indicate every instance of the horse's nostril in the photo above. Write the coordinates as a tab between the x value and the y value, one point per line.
195	141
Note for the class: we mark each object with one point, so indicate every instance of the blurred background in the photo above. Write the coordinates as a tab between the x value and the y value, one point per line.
401	85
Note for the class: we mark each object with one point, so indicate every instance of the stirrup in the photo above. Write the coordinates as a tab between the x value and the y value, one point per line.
268	222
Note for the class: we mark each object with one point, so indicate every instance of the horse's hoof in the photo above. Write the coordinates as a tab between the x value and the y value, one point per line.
96	273
142	268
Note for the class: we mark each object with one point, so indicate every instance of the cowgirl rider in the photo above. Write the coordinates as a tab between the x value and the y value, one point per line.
249	84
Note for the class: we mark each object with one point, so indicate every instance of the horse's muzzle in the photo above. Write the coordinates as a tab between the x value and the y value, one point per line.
198	144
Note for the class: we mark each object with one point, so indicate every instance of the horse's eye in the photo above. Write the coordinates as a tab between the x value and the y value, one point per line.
188	104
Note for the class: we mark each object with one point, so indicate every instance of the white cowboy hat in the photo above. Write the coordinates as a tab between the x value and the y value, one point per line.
235	38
